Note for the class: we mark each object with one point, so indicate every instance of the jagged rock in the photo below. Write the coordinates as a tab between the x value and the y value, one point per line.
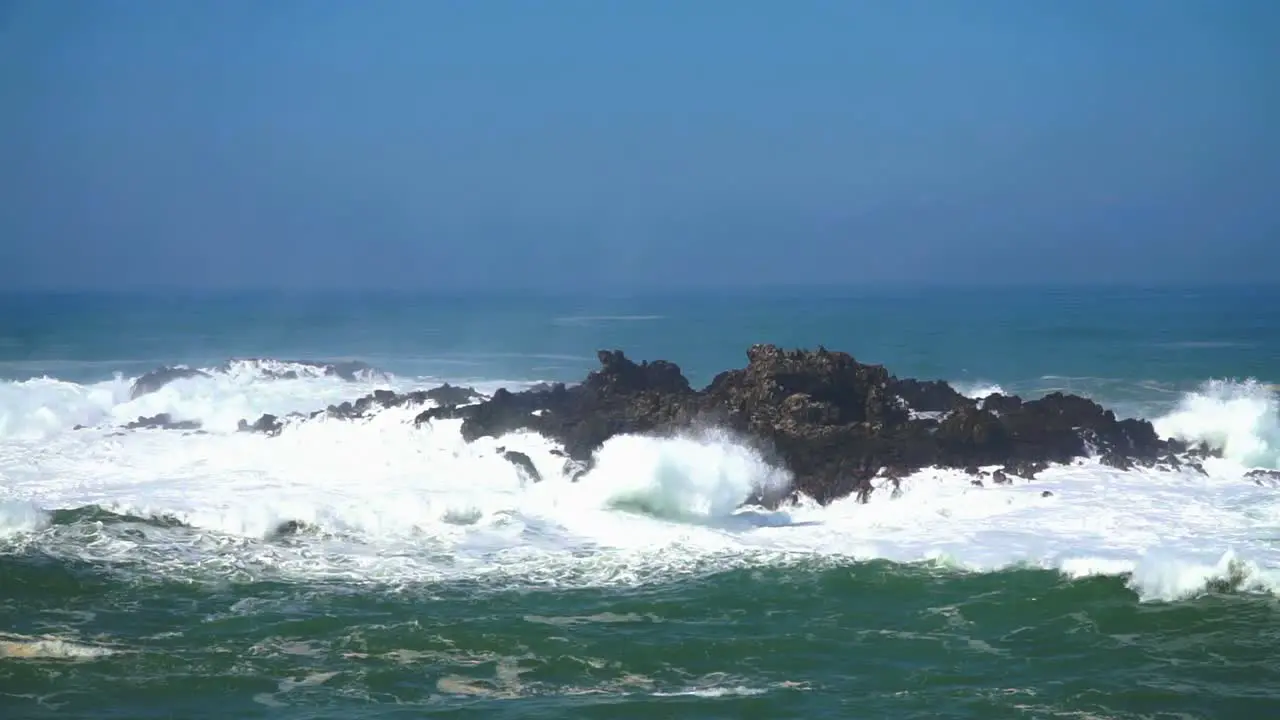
835	423
524	464
158	378
1263	477
1001	404
268	425
1046	494
163	421
1000	477
361	407
448	394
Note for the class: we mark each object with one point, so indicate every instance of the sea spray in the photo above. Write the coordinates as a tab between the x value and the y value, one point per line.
696	476
1241	420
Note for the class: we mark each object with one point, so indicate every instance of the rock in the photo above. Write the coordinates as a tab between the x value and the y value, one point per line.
163	421
448	394
524	464
1026	469
443	395
976	483
1002	404
1117	460
1046	494
835	423
269	425
1263	477
158	378
933	396
1000	477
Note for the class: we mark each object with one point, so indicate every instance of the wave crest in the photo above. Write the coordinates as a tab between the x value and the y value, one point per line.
699	477
1241	420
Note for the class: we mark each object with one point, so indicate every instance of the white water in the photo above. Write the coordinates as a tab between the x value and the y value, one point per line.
391	503
1240	419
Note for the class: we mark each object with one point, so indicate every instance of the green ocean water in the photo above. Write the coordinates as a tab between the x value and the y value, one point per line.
140	576
810	640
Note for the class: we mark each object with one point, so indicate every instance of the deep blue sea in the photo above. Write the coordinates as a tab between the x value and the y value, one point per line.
142	574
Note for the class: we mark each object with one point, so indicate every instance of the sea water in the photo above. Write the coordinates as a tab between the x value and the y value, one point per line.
371	568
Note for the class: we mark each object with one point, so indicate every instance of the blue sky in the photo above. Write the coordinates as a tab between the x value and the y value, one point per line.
582	143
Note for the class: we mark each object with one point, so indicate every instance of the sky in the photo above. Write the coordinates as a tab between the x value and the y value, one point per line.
413	144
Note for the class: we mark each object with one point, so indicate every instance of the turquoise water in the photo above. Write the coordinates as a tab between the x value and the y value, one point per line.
140	575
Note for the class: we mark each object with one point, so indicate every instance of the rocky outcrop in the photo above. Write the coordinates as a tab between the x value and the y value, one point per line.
158	378
163	421
836	423
444	395
349	370
524	464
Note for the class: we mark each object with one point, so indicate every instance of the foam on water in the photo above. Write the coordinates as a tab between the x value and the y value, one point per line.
239	389
978	390
382	501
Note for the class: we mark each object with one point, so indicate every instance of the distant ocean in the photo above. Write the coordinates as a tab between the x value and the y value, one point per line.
141	574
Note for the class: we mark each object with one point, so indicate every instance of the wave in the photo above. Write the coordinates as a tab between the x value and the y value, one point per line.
216	397
978	390
382	502
1241	420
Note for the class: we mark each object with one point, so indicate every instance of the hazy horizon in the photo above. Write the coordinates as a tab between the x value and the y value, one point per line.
636	147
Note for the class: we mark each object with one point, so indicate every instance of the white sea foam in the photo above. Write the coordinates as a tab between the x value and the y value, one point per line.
241	389
1242	420
387	502
978	390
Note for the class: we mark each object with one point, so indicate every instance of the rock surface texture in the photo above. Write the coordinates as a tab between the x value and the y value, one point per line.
836	423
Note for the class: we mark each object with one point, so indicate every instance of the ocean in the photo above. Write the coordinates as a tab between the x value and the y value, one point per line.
143	573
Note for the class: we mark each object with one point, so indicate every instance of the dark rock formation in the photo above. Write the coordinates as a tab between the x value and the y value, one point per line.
268	425
834	422
523	463
160	377
448	394
163	421
444	395
1263	477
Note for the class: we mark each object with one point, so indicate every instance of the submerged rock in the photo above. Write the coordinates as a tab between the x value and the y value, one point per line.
269	425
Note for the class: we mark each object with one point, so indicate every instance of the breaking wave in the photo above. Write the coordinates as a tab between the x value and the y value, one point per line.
1239	419
384	502
218	397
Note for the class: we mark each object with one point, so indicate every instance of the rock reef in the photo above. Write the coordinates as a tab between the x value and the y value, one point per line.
835	423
